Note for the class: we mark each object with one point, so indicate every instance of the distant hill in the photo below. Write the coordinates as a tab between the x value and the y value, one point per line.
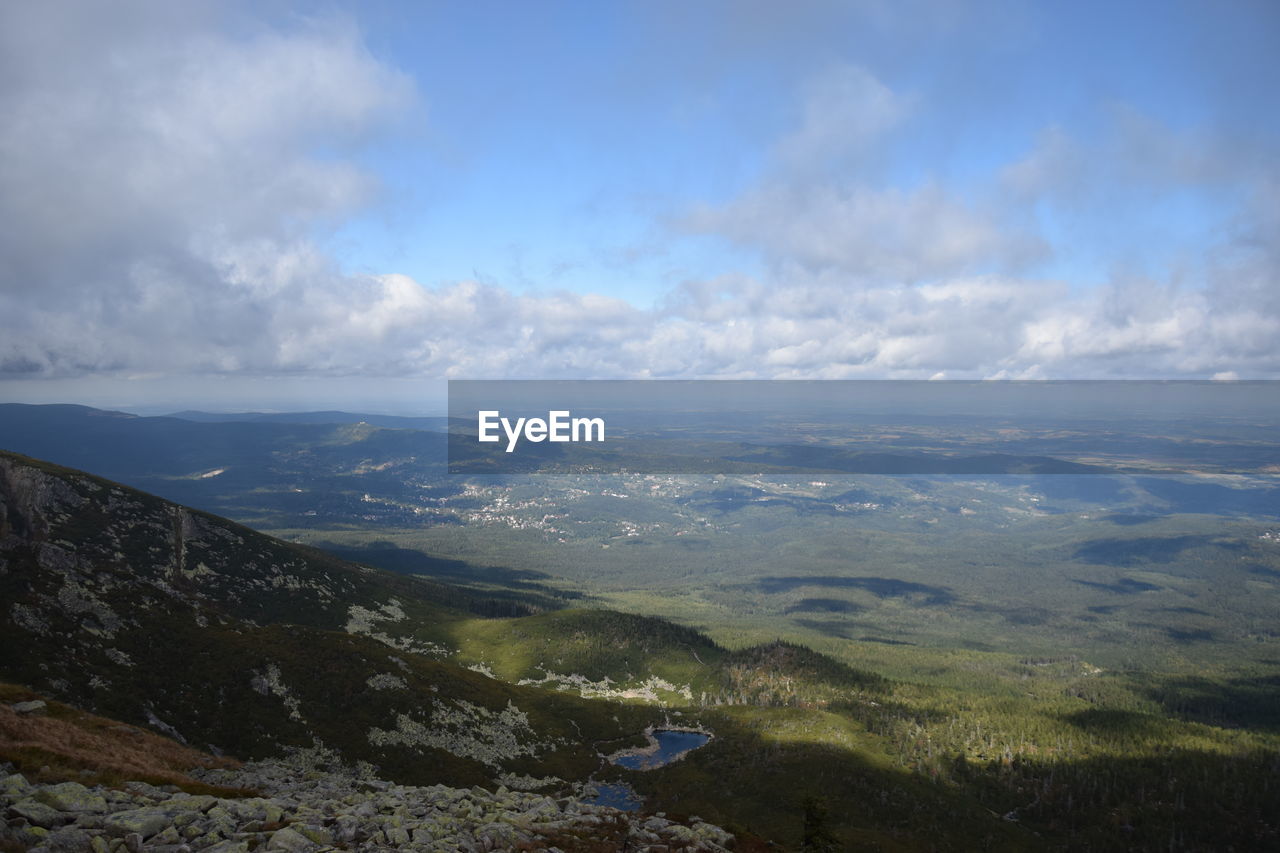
122	446
436	424
273	473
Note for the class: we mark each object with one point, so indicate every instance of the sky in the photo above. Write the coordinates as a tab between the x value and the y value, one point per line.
282	205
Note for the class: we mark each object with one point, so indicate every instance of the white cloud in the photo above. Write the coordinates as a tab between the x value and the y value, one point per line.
883	234
161	181
846	111
163	176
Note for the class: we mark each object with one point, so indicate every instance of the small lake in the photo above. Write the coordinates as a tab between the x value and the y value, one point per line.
670	746
618	795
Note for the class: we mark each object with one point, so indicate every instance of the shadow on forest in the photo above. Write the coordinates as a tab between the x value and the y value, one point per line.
521	585
1252	703
1017	615
824	605
879	587
1116	722
1128	519
1134	800
1148	549
1124	586
827	627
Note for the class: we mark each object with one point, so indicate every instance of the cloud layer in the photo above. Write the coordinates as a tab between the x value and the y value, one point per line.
167	178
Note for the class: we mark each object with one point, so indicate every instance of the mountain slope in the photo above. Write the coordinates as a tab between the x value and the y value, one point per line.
161	616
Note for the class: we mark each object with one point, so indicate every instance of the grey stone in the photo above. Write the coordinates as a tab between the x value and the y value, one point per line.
147	790
168	836
37	813
228	846
67	840
144	822
14	786
71	797
290	840
35	708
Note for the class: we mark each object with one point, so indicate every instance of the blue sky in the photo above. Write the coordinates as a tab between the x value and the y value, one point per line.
301	204
564	151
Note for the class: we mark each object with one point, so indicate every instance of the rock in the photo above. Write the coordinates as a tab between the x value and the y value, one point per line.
144	822
38	813
68	840
228	847
35	835
289	839
35	708
201	802
311	832
167	836
14	787
72	797
300	815
146	790
219	812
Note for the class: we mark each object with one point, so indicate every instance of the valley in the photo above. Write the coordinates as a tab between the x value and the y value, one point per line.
927	660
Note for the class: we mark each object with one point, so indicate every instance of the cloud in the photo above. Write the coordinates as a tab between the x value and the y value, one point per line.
825	203
164	175
846	111
864	232
168	172
1177	230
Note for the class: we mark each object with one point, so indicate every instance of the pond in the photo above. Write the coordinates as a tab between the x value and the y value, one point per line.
618	795
665	746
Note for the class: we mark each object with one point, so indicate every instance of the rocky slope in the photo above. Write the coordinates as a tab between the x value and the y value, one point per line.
310	802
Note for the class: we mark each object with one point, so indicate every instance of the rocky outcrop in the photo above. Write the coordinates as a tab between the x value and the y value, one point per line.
315	810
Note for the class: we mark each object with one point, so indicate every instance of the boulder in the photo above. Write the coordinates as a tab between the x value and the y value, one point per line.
72	797
290	840
144	822
69	839
37	813
35	708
